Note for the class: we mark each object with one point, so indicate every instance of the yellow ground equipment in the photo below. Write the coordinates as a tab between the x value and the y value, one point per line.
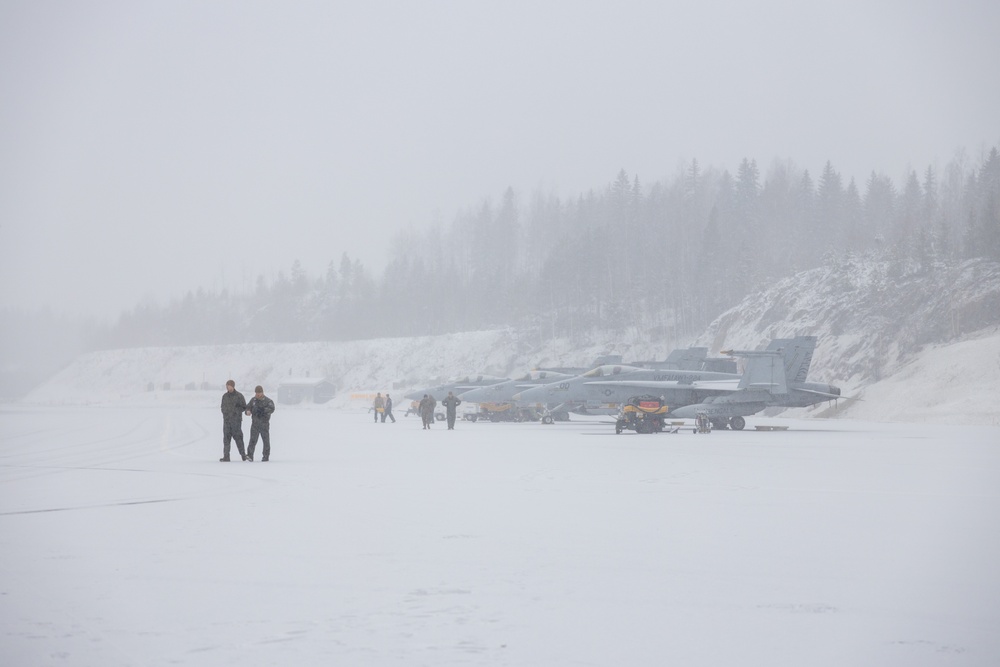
506	412
642	414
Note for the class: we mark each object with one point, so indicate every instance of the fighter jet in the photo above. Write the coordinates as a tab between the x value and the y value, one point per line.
609	385
496	400
458	386
766	383
604	389
503	392
775	376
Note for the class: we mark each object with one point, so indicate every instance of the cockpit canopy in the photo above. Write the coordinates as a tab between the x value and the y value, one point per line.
535	375
477	379
609	370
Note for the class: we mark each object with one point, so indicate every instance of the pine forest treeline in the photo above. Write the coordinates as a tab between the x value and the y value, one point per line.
665	258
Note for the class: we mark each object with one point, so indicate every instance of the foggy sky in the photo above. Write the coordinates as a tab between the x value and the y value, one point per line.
149	148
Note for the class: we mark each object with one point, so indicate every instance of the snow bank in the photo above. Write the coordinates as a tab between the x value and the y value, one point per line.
954	383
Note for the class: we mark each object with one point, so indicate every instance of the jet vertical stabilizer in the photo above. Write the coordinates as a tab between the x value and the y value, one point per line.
798	357
797	354
765	369
689	359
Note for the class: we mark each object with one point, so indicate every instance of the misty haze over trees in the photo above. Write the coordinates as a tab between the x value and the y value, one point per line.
665	257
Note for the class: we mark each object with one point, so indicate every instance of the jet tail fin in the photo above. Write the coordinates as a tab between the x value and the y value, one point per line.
689	359
765	369
783	361
798	354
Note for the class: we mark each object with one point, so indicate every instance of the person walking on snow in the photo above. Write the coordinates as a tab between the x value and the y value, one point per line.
427	404
260	408
450	403
388	410
233	405
379	405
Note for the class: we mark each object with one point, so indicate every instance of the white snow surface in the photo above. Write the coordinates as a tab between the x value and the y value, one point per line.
837	542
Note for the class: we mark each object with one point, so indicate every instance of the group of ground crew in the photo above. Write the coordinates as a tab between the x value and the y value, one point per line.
382	407
260	407
425	408
234	406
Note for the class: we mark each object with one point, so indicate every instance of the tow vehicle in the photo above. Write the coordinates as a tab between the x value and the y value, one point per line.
642	414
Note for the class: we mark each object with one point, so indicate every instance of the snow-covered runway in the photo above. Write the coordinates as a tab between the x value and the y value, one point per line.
123	541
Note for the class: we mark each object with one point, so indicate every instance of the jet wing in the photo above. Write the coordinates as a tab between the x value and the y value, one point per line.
819	393
468	387
720	386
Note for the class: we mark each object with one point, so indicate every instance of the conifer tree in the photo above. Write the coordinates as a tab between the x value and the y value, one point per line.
830	211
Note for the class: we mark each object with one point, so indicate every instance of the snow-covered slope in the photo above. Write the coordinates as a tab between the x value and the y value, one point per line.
954	383
900	344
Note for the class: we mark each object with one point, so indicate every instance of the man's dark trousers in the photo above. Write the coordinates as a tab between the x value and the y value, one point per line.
232	429
262	428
